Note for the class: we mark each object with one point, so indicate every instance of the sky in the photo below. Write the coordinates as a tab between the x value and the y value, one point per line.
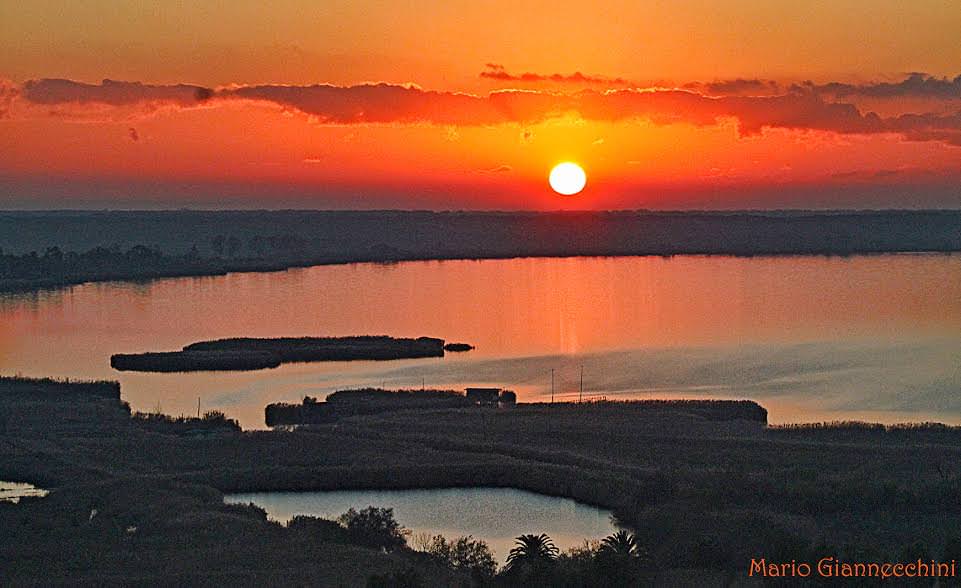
422	104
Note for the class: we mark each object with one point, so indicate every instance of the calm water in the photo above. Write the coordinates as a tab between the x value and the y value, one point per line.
810	338
496	515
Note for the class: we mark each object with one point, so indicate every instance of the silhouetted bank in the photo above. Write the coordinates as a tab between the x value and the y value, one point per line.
291	349
20	388
194	361
49	249
255	354
346	403
349	403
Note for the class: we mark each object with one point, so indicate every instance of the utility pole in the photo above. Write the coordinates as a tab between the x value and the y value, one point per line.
580	396
552	385
198	407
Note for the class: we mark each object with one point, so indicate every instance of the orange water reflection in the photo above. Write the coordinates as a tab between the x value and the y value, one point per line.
507	308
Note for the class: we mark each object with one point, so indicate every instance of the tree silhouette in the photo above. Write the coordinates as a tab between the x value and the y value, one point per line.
535	551
465	555
622	543
233	246
620	557
374	527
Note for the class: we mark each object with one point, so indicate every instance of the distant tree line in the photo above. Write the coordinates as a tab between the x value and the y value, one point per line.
260	246
269	240
56	267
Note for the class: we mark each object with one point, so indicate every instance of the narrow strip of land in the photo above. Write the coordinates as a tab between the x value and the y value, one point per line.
53	249
246	353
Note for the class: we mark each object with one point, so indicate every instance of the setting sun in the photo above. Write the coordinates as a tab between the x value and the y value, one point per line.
567	178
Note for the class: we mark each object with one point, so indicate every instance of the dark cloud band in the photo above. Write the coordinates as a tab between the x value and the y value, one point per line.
398	104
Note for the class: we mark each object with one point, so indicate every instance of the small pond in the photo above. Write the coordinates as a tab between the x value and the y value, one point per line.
496	515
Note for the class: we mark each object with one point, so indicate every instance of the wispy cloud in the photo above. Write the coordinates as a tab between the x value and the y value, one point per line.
496	71
736	87
497	170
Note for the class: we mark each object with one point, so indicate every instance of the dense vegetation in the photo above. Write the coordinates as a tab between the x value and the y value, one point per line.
255	354
55	267
16	388
344	403
291	349
617	560
702	489
212	422
368	401
59	248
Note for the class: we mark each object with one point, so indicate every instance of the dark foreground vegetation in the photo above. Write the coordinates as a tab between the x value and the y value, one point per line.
46	249
702	489
617	560
255	354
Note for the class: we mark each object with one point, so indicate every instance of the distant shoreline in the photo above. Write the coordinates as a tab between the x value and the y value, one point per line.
55	249
27	286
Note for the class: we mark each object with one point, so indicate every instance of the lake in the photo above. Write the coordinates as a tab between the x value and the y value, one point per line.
810	338
496	515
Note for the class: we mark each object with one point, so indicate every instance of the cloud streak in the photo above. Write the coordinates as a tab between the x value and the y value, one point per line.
406	104
915	85
737	87
112	93
496	71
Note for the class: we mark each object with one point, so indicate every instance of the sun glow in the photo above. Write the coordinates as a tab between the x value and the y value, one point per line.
567	178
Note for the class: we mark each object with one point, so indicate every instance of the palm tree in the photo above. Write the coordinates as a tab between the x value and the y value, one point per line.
531	550
622	543
621	557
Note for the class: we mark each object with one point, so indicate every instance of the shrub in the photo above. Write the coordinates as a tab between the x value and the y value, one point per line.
465	555
318	529
374	527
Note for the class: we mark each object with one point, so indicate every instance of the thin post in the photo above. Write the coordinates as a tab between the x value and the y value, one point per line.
198	407
580	396
552	385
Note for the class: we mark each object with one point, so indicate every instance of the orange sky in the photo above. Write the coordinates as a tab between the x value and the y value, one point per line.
731	104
